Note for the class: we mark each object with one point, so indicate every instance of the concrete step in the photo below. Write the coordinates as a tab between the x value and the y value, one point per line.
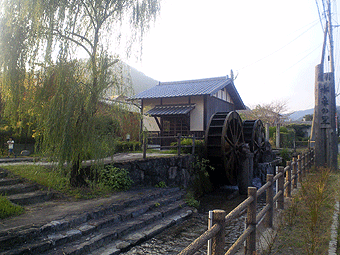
17	189
3	173
20	192
100	226
31	198
122	236
9	181
126	242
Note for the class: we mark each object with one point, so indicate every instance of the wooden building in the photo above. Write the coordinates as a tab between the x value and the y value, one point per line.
185	107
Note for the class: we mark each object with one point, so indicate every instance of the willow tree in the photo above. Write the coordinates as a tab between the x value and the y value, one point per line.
42	42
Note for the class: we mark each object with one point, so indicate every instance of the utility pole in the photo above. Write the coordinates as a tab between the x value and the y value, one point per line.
324	122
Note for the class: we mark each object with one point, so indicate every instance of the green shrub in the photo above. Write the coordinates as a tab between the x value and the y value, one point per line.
283	130
191	201
287	138
124	146
286	155
201	182
8	209
161	184
272	131
115	178
199	146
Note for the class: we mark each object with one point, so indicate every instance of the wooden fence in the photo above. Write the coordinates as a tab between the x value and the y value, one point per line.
286	178
178	147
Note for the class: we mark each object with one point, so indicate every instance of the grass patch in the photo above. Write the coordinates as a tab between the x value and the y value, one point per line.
191	201
58	180
8	209
305	228
161	151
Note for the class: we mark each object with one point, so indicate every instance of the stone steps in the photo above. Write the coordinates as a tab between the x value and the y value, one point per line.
19	188
9	181
108	230
3	173
20	192
29	198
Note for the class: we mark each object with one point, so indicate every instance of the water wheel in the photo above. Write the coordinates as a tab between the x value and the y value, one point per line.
224	142
254	136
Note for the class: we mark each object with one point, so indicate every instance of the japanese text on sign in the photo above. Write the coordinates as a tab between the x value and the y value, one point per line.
324	103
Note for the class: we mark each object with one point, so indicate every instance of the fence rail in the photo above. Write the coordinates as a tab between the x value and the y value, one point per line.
286	178
178	139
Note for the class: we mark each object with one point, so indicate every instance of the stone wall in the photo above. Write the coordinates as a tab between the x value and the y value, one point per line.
173	171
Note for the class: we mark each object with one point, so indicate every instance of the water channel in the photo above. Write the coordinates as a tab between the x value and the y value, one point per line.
175	239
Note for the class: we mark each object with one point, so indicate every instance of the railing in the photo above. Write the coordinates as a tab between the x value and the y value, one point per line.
179	146
287	178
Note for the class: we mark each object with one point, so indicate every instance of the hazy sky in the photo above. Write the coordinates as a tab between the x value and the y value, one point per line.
273	46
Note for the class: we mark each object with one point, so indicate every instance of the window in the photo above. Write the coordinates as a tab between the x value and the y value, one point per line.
176	125
222	94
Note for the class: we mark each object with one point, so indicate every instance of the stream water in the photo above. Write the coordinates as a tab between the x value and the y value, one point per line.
175	239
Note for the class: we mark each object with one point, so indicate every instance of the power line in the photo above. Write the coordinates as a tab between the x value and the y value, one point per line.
320	18
309	53
324	8
281	47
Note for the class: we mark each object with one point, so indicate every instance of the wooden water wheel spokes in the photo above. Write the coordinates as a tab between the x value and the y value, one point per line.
223	144
254	135
232	144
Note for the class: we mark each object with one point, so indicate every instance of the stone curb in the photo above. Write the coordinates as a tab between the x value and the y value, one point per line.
333	244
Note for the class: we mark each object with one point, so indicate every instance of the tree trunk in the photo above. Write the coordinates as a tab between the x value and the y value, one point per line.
77	178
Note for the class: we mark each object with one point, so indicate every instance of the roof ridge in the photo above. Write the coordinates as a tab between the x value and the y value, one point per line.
193	81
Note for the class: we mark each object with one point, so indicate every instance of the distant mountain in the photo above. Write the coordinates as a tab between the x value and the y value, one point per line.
140	81
131	82
298	115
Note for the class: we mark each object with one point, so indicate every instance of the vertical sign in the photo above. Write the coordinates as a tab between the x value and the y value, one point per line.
325	104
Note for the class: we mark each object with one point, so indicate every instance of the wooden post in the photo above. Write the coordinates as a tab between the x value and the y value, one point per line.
218	241
324	128
311	158
303	165
306	163
267	131
295	173
278	135
193	145
307	160
269	201
276	184
281	183
178	144
299	169
288	191
251	221
144	145
210	221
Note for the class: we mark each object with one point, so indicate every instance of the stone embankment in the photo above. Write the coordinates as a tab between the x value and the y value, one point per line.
108	225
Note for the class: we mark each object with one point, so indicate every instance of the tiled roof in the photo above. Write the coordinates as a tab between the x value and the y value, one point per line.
161	110
185	88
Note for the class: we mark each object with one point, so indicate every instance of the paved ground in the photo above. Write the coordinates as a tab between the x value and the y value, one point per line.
119	157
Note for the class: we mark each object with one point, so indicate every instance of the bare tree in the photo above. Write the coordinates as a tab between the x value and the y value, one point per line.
271	113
